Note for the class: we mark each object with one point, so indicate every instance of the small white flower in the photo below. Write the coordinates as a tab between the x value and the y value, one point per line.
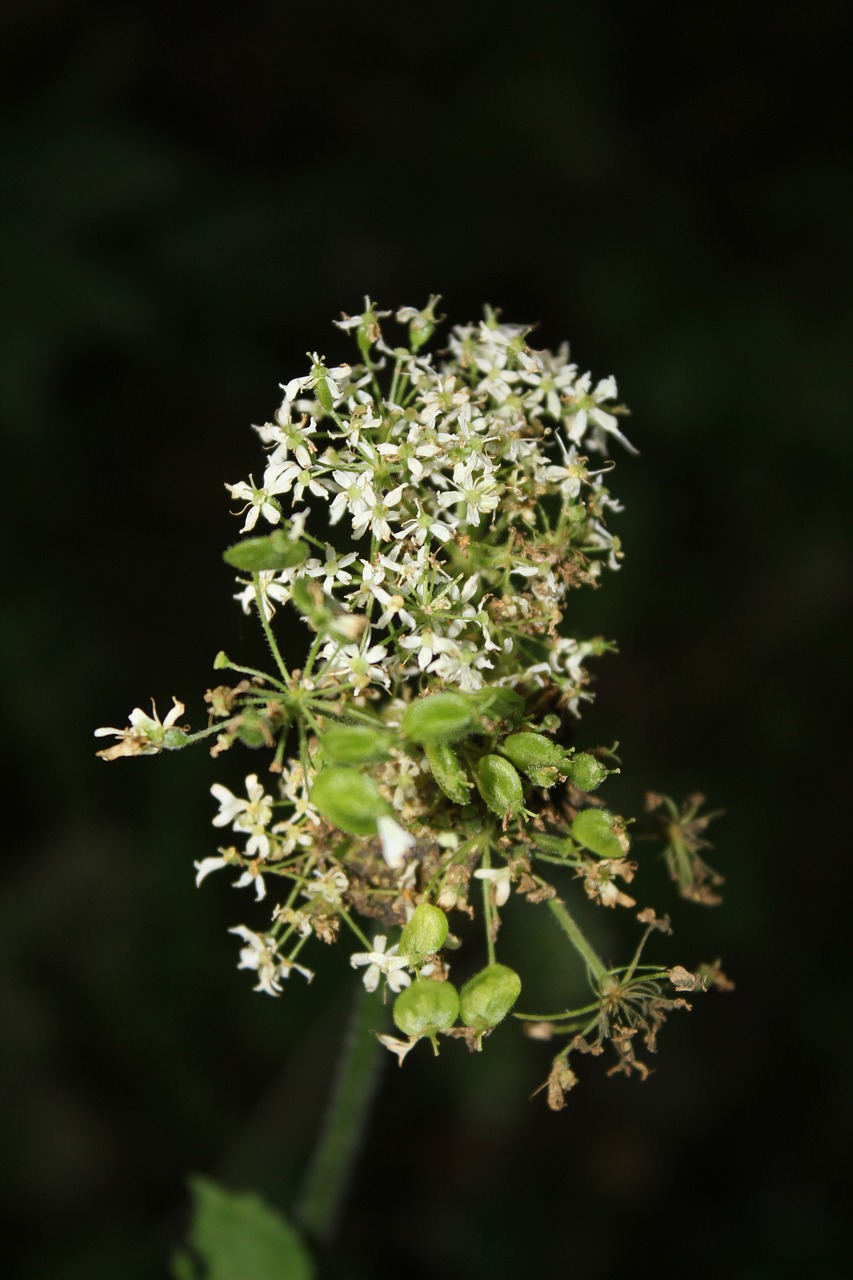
333	570
261	955
146	735
258	502
207	865
500	878
381	961
400	1047
329	885
250	817
396	842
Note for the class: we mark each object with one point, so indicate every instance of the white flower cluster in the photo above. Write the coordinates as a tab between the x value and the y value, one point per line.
468	486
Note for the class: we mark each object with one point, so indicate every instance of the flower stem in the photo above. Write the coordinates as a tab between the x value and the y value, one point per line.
595	964
265	622
326	1181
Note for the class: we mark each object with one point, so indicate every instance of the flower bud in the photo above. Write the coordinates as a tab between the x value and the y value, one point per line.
594	829
355	744
500	786
425	932
586	772
488	997
448	772
275	551
440	717
349	799
426	1007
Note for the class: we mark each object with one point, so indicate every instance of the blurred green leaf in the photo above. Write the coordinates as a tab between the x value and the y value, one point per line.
238	1237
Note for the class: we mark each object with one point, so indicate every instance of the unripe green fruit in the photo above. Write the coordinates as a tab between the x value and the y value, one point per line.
426	1007
349	799
586	772
440	717
448	772
425	932
252	731
355	744
532	751
275	551
593	828
500	786
488	997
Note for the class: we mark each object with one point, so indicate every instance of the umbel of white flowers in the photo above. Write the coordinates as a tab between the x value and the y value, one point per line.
424	518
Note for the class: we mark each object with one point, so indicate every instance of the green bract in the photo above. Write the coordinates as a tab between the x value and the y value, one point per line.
500	786
355	744
593	828
426	1007
440	717
488	997
425	932
448	772
275	551
349	799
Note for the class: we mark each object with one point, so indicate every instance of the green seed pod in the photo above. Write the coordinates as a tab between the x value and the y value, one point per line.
531	751
500	786
275	551
586	772
440	717
447	771
425	932
488	997
498	703
355	744
348	798
426	1007
593	828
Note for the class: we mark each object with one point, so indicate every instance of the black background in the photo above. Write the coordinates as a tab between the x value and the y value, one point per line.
190	195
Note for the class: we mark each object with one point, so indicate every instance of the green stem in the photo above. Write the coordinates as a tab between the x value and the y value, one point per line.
265	622
327	1179
488	909
595	964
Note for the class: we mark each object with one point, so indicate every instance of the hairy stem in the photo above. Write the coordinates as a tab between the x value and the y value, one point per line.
595	964
327	1179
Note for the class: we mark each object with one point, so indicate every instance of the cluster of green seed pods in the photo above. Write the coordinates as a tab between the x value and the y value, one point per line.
432	1005
428	1007
439	724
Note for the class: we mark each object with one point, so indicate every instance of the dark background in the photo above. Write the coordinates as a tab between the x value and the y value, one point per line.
190	195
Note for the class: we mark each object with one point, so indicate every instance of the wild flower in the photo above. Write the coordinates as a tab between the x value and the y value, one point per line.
423	730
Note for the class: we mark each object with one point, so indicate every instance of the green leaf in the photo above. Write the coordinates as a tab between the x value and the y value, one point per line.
274	551
239	1237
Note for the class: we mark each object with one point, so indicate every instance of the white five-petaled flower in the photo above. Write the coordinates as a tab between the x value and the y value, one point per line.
261	955
258	501
250	817
147	735
381	961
